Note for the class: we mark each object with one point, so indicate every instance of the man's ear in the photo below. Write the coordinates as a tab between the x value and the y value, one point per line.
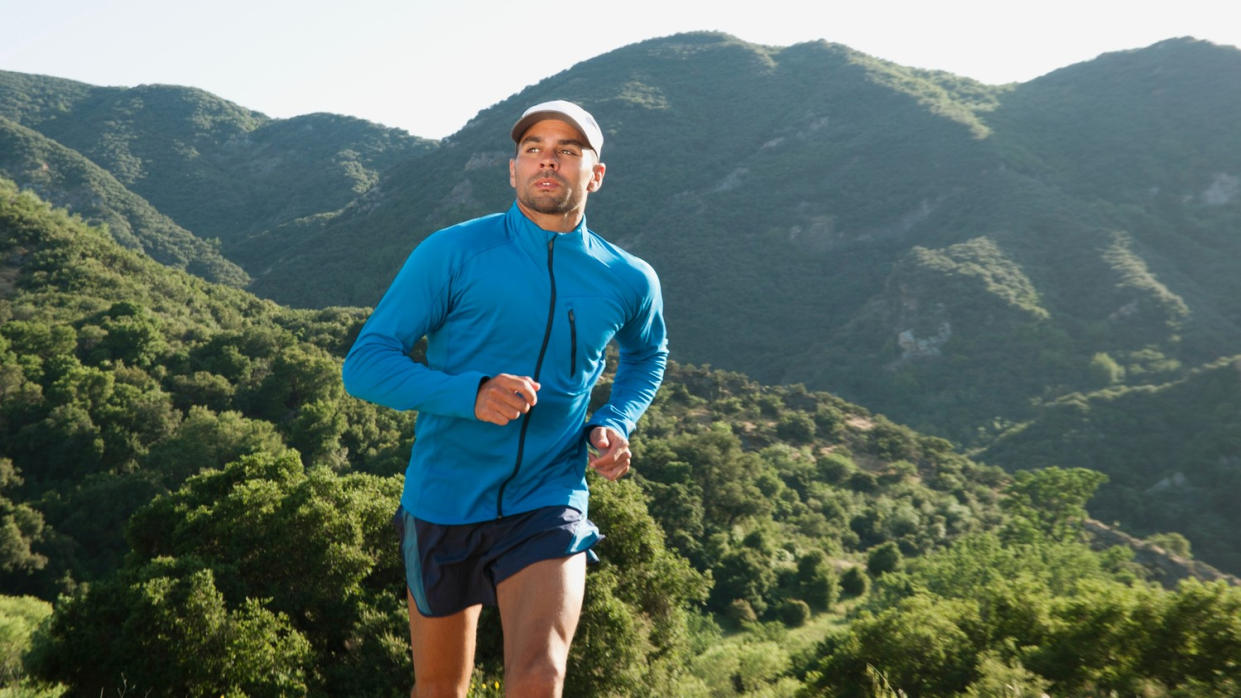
596	179
512	173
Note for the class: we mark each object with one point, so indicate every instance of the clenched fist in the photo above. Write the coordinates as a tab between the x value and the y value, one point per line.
505	397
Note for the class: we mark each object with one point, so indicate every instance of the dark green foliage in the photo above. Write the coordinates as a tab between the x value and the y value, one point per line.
1052	499
743	574
854	582
883	559
794	612
317	547
293	572
1169	452
120	379
796	428
167	627
21	527
65	177
1048	616
633	635
817	581
924	647
767	516
217	169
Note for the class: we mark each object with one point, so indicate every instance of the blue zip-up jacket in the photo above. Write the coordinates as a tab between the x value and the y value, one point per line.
495	295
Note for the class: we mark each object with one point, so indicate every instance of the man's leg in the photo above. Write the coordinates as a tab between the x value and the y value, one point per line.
443	651
539	609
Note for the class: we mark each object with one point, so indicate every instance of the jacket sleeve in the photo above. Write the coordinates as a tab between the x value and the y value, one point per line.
378	367
643	343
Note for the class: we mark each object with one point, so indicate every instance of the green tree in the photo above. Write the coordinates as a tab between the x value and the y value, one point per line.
633	635
21	527
317	550
1173	542
796	427
743	573
1104	370
998	678
1051	500
883	559
854	582
723	470
925	647
19	617
166	627
1096	638
1197	640
794	612
207	440
132	334
817	581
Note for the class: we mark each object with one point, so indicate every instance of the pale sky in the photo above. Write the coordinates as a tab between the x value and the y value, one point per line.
428	67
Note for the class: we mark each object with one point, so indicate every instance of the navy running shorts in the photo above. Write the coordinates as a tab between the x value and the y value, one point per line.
450	568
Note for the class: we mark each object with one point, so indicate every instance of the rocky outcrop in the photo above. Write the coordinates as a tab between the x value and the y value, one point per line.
1166	567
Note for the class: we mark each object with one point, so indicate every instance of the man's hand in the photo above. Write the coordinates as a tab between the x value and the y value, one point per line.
505	397
612	457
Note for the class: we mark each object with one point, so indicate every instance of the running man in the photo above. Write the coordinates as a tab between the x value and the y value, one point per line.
517	308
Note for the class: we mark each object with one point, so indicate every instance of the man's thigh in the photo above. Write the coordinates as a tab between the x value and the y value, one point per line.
539	609
443	648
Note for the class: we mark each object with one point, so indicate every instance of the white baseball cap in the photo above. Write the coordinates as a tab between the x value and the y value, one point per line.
565	111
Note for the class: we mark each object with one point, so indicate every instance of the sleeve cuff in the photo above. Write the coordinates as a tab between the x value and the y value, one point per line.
465	394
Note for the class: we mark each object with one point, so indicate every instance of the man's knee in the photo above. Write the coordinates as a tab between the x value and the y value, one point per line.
535	676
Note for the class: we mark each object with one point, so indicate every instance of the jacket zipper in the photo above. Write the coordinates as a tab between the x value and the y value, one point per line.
538	367
572	343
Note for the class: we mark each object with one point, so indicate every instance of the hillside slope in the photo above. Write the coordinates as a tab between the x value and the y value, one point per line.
1172	451
66	178
216	168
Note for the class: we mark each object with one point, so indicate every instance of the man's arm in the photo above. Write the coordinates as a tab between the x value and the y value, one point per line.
378	368
643	343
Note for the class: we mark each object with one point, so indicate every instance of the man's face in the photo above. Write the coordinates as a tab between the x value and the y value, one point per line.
553	172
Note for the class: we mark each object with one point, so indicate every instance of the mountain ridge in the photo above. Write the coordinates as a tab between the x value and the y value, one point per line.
59	173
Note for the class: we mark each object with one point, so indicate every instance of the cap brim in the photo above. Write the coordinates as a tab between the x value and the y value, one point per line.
524	123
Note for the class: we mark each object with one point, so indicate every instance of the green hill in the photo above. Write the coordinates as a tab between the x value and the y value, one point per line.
217	169
1171	452
772	539
67	178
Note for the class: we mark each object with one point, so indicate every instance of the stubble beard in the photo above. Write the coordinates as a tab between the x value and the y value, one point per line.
550	203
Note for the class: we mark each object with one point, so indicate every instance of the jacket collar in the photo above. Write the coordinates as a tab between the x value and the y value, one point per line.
527	232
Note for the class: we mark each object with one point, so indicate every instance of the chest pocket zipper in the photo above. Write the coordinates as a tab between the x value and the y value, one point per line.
572	343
